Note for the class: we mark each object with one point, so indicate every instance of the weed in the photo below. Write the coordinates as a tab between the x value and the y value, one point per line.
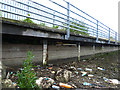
27	77
55	27
42	24
28	20
75	25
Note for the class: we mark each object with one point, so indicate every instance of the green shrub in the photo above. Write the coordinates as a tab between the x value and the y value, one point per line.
27	77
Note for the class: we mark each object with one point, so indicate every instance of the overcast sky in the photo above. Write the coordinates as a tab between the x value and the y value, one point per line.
105	11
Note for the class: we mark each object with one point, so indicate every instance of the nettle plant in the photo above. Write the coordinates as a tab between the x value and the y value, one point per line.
27	76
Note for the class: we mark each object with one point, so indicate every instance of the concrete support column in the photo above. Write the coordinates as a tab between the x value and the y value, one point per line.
102	47
45	52
109	48
78	51
93	49
114	48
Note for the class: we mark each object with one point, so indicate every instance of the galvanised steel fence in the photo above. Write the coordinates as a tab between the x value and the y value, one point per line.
64	16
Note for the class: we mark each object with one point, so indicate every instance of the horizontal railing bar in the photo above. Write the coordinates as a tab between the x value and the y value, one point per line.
75	24
58	4
47	17
78	30
102	31
83	12
39	9
88	15
82	22
83	17
32	18
85	23
103	27
37	14
71	11
46	7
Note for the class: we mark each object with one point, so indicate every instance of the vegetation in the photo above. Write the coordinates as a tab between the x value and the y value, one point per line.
75	23
55	27
27	77
42	24
79	26
28	20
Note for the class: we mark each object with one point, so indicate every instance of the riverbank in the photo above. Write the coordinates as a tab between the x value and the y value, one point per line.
94	72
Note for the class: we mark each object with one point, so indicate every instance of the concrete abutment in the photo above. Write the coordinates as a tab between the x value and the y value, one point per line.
47	50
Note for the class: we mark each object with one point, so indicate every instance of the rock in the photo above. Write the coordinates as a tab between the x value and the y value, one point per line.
44	82
63	75
7	83
114	81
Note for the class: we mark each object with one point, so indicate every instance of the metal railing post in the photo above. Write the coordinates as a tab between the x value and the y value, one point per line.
68	21
115	37
109	36
53	18
97	32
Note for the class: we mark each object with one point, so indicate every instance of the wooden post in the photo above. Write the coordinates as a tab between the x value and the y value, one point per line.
45	52
78	51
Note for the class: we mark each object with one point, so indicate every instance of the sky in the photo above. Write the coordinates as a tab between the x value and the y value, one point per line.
106	11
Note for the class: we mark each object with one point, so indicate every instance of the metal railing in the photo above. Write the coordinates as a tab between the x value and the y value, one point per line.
68	18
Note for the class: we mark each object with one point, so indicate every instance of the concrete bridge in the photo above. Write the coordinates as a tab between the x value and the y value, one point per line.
46	44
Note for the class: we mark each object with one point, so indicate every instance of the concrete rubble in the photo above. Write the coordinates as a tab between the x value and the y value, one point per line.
44	82
63	75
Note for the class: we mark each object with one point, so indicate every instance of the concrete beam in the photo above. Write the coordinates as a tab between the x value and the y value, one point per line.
45	52
44	33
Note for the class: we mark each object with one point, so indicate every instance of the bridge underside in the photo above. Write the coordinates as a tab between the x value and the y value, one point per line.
46	44
14	27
